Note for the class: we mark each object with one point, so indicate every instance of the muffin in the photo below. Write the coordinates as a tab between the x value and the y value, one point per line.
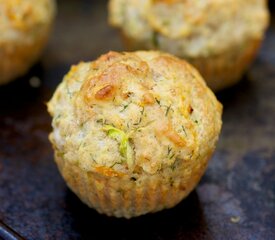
133	132
24	27
219	37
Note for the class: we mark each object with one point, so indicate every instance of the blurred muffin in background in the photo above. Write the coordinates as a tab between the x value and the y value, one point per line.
133	132
219	37
24	31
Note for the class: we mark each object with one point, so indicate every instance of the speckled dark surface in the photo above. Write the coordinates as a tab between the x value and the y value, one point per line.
234	200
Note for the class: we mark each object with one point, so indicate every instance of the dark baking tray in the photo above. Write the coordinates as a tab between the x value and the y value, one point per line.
234	200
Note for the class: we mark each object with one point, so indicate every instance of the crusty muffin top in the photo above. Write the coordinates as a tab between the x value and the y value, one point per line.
134	112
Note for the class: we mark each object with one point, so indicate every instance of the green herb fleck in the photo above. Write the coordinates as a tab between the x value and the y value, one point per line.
139	121
115	164
69	92
167	110
57	117
101	121
172	156
183	129
142	111
170	153
158	101
92	157
169	150
124	107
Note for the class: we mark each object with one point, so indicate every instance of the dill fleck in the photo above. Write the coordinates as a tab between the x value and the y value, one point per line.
82	145
92	157
158	101
57	117
172	156
124	107
148	123
196	121
115	164
167	110
191	154
142	111
183	129
101	121
68	92
139	121
173	166
170	153
169	150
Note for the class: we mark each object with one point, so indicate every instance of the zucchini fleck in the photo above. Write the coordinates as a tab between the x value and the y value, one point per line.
125	149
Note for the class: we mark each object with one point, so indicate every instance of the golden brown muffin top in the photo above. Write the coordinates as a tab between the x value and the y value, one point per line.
137	112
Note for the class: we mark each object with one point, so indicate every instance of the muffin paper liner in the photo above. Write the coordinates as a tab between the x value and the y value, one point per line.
120	196
227	69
